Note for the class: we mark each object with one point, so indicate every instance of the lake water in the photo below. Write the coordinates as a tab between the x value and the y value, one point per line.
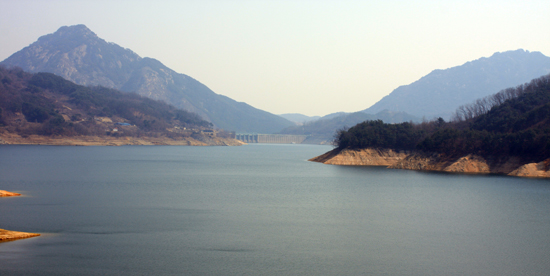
261	210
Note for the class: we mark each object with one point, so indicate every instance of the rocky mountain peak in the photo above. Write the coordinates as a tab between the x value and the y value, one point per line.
76	30
70	37
79	55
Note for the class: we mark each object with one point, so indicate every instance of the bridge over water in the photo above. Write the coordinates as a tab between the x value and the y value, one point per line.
270	138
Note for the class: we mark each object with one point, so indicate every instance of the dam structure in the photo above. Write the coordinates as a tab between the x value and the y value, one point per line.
270	138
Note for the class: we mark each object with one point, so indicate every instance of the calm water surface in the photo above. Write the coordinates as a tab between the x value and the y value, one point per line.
261	210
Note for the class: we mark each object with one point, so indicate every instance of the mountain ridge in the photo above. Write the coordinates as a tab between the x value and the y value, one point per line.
323	129
440	92
298	118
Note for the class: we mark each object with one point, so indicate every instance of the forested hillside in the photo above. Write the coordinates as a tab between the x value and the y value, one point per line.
46	104
513	122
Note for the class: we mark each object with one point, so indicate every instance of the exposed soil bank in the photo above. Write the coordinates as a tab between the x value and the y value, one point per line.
14	139
419	161
6	193
7	235
363	157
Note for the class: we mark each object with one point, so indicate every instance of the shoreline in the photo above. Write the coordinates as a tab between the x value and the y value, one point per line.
4	193
469	164
8	235
14	139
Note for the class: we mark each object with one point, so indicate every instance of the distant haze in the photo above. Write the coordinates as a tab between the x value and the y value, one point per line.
305	56
299	118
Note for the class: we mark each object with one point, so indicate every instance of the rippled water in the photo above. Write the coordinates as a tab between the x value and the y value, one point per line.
261	210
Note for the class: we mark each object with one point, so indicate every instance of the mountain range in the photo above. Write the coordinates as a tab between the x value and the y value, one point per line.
437	94
79	55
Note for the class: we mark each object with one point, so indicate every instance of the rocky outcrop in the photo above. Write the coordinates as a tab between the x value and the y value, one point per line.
533	170
471	163
434	162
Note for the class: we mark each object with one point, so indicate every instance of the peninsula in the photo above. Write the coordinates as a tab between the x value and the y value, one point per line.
505	133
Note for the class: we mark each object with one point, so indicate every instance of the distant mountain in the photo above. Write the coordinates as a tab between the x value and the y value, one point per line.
441	92
299	119
334	115
324	129
79	55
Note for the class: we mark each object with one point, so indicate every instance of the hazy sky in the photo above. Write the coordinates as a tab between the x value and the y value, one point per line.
311	57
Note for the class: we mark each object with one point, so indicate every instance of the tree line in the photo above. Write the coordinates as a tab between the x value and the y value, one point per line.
484	105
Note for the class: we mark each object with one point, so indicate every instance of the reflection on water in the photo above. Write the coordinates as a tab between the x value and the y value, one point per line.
261	210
